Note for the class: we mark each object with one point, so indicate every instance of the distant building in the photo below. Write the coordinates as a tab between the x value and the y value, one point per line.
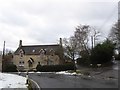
27	57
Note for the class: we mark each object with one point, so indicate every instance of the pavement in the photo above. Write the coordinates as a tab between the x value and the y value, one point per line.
33	83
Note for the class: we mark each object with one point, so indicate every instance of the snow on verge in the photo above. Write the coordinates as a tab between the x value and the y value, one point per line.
62	72
12	81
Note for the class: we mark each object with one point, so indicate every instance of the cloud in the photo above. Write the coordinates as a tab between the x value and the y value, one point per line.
45	21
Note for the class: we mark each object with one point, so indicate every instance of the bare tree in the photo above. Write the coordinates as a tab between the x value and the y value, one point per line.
115	33
70	47
82	37
78	44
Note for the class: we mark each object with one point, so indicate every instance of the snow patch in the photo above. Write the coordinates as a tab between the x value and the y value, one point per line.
62	72
12	81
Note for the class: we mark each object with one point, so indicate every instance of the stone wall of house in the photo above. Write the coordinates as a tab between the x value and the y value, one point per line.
43	59
0	63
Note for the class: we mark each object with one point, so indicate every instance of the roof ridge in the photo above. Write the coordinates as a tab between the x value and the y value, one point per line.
29	48
40	45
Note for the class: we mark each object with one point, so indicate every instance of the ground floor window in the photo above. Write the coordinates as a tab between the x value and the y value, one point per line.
21	63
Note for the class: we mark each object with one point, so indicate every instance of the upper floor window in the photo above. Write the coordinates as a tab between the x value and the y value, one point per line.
42	51
52	52
21	53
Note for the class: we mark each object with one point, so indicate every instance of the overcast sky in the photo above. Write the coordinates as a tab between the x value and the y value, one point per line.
45	21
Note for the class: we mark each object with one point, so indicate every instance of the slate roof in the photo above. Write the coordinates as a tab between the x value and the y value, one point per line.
34	49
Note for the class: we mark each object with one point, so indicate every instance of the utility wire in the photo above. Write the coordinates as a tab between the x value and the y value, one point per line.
111	15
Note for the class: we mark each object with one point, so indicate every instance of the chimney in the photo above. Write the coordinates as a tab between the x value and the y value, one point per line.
60	42
20	43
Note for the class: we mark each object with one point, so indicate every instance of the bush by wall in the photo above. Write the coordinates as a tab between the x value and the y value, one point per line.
84	61
55	68
10	68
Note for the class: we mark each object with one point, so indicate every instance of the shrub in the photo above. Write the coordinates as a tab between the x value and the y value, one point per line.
102	53
55	68
117	57
83	61
10	68
86	73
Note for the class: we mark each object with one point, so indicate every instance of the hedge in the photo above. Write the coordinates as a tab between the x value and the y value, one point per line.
83	61
10	68
55	68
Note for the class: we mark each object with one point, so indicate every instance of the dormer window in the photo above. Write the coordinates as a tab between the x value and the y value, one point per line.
21	53
42	51
52	52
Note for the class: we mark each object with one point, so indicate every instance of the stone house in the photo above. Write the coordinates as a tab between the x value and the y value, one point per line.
27	57
0	63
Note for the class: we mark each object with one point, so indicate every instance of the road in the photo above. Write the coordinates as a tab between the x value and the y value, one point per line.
52	80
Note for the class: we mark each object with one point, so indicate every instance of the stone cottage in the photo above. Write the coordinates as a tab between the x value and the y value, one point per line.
27	57
0	63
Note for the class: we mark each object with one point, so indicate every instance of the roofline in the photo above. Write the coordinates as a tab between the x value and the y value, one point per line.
36	46
40	45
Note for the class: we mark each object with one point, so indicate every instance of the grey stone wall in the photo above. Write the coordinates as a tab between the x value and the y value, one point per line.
0	63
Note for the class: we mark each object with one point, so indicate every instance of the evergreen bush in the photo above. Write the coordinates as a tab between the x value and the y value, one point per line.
55	68
10	68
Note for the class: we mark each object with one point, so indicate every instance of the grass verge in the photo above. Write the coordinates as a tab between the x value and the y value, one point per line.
29	85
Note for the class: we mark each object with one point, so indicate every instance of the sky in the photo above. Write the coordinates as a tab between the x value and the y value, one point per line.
45	21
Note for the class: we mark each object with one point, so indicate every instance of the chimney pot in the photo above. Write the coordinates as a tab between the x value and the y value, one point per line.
20	43
60	41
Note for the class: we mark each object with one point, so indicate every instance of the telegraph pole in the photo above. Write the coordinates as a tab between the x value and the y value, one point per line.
118	25
92	41
3	56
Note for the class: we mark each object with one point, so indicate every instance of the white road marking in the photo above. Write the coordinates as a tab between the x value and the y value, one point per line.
36	84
